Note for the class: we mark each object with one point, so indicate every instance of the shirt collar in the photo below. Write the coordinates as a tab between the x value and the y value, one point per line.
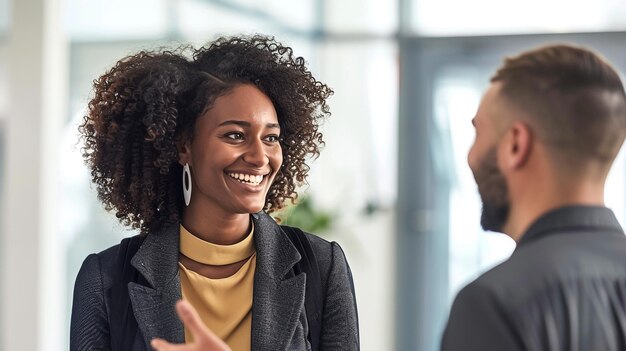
571	219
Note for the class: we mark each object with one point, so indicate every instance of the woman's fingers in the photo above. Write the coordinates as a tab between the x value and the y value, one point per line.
202	335
191	319
203	338
162	345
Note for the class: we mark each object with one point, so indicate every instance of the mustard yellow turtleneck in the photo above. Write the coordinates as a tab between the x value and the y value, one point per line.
225	305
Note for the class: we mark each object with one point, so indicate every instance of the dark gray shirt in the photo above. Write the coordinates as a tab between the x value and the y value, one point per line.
563	288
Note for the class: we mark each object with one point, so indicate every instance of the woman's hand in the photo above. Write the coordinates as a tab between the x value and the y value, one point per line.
203	338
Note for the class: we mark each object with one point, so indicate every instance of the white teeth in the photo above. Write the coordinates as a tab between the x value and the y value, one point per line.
247	178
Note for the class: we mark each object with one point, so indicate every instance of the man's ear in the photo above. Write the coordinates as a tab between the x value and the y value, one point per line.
184	150
517	145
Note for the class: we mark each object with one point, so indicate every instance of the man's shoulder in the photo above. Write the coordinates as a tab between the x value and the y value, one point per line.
579	254
494	282
553	259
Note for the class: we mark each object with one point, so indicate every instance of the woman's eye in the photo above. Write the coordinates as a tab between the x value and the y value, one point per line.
273	138
234	136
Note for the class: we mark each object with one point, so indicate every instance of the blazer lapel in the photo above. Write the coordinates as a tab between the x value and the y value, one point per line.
278	296
154	304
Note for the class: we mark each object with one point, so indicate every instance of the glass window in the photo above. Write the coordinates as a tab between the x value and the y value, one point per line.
355	177
481	17
117	19
5	12
361	153
199	17
189	19
361	16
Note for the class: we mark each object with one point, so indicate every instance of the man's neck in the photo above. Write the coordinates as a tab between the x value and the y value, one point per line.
529	206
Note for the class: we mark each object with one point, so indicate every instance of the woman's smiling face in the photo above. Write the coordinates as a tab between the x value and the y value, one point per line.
234	154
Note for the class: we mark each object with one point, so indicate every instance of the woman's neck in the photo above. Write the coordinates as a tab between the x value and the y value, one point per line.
216	228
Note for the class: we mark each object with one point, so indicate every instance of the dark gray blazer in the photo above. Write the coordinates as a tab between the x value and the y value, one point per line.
278	315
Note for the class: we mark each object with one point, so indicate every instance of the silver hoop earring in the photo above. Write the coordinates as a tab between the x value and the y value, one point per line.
186	184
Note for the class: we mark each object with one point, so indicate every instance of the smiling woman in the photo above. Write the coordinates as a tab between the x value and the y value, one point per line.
194	152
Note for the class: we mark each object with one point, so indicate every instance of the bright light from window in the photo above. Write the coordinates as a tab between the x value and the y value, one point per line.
479	17
116	19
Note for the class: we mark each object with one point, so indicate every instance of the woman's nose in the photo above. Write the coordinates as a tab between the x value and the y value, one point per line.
256	154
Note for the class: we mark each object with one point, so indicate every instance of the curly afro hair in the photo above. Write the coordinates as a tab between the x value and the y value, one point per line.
148	103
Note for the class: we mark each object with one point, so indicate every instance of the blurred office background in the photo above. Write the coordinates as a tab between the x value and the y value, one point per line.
391	186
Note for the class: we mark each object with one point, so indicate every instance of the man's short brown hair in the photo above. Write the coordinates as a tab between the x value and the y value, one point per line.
574	99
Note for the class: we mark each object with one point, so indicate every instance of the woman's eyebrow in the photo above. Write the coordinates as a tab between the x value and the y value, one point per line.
247	124
235	122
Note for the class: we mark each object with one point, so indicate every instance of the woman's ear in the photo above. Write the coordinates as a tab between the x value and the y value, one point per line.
184	150
517	145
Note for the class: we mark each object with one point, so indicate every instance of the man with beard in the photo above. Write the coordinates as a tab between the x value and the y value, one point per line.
547	131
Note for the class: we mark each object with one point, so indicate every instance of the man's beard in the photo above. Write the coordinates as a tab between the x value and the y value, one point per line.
493	193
